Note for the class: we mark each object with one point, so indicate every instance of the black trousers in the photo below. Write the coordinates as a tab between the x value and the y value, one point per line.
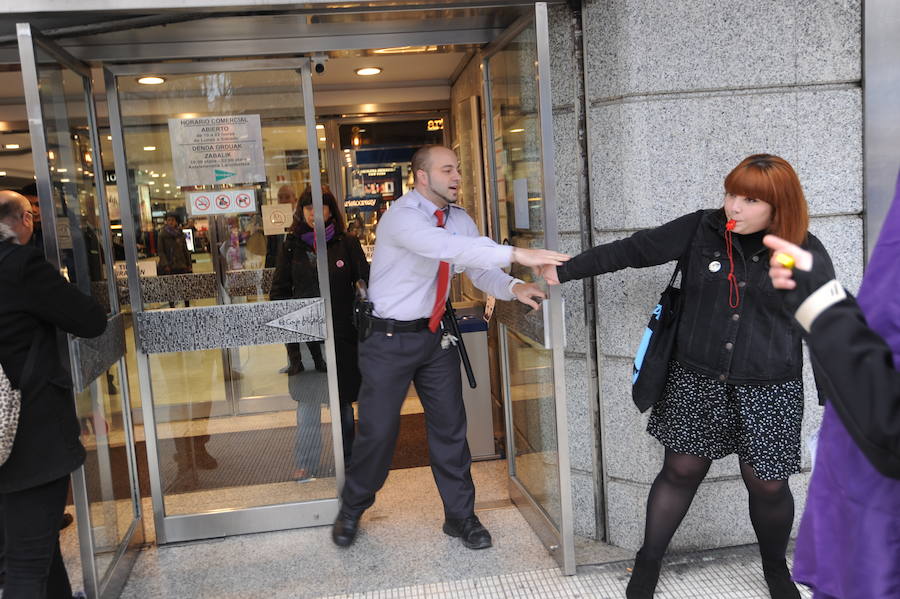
34	564
388	365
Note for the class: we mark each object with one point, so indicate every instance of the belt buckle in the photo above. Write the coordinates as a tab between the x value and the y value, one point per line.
389	328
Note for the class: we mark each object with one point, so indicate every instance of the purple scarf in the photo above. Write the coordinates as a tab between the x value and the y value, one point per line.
308	236
848	547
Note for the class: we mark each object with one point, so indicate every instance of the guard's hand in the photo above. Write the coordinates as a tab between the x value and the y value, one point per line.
783	277
529	257
524	292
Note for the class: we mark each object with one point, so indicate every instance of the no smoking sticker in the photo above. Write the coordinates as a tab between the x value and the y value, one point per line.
201	203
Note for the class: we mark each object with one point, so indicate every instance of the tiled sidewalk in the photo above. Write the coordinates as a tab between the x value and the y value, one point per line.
722	574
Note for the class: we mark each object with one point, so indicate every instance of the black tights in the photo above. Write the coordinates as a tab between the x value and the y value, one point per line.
771	505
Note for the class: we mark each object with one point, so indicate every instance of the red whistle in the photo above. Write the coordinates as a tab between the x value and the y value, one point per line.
729	226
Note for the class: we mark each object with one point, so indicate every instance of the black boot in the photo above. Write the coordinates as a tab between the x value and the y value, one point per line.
778	578
644	576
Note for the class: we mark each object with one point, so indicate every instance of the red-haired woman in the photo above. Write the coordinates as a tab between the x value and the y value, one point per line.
734	384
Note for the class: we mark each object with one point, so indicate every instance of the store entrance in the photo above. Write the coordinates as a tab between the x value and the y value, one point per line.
207	165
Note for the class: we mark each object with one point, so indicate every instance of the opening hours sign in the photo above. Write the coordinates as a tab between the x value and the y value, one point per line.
217	149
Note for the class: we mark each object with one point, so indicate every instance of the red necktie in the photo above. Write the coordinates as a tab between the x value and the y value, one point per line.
440	300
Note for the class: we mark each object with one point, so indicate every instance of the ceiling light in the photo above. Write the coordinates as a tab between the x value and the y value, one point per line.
64	180
149	148
2	173
50	154
346	151
60	170
320	127
368	71
165	185
516	130
154	174
405	50
151	80
88	157
109	137
321	139
11	146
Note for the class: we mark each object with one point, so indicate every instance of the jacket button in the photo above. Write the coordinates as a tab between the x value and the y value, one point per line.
742	284
717	254
722	377
729	346
755	258
735	317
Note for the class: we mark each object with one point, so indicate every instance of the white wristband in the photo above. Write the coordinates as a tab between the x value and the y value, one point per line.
823	298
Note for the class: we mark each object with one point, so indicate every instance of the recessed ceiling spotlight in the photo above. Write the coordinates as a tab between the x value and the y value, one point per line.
151	80
12	146
149	148
368	71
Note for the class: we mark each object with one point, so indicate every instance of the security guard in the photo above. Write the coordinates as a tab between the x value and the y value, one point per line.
419	241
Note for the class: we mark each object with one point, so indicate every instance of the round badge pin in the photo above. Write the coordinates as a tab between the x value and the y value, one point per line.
715	266
339	264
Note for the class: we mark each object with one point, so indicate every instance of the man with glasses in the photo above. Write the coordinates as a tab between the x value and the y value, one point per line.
37	235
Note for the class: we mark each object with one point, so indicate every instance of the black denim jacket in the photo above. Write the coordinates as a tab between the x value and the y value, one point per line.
756	343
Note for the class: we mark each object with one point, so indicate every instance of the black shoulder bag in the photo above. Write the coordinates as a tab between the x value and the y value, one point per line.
651	363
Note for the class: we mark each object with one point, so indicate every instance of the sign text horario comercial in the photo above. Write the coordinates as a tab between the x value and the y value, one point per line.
217	149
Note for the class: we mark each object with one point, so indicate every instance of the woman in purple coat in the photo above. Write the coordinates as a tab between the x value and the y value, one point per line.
848	546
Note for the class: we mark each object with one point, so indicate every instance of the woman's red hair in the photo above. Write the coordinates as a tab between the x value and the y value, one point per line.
771	179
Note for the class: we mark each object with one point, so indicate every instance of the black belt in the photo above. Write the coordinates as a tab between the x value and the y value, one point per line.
386	325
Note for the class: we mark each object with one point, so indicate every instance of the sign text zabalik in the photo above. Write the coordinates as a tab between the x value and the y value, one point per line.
217	149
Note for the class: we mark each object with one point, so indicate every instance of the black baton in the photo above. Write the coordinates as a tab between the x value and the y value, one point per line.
460	345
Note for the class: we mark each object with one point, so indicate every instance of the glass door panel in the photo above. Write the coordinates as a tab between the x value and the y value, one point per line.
520	126
74	233
209	157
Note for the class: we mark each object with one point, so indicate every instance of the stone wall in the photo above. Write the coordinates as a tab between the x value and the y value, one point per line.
676	95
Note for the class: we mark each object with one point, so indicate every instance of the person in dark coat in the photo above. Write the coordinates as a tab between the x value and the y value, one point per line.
847	545
296	276
35	301
174	257
734	383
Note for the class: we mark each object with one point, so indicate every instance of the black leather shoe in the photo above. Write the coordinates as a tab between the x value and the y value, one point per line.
343	533
470	530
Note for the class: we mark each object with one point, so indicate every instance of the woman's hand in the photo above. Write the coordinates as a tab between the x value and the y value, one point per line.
548	273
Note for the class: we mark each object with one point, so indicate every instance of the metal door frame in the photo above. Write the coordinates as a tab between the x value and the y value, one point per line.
177	528
559	541
29	42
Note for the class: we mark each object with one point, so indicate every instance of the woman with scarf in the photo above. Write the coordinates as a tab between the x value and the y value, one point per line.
296	276
848	545
734	384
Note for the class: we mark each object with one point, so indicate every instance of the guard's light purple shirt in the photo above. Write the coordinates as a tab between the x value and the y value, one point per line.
409	246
